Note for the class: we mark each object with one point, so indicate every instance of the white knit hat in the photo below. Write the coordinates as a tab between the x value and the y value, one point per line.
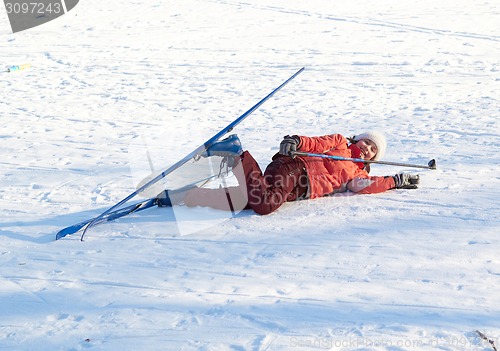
377	138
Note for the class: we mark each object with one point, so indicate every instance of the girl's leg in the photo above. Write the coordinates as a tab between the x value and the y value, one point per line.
284	180
228	199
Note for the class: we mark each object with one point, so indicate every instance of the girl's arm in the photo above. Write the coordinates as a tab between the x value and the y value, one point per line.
371	185
321	144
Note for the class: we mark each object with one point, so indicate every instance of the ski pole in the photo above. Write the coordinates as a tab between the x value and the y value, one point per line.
430	165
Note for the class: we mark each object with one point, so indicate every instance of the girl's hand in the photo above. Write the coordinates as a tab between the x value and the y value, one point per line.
289	144
406	181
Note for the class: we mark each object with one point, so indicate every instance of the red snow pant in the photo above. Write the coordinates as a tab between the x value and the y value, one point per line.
285	179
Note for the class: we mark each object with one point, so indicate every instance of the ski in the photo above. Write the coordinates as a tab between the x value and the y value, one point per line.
192	155
139	206
111	216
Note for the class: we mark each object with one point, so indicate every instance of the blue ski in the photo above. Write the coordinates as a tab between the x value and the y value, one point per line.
139	206
103	217
111	216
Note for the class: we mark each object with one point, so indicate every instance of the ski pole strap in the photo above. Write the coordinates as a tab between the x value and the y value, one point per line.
430	165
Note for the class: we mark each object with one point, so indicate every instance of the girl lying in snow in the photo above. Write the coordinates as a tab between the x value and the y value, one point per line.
289	178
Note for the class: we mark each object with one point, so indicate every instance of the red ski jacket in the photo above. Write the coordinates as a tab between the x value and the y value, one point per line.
327	176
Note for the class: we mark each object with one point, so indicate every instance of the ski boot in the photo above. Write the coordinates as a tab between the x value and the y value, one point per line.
163	199
229	147
167	198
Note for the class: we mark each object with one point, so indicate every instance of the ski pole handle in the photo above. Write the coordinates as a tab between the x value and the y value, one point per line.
430	165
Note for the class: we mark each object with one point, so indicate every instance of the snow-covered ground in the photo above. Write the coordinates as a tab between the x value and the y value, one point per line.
110	80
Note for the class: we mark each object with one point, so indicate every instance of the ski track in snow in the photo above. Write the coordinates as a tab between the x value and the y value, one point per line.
115	83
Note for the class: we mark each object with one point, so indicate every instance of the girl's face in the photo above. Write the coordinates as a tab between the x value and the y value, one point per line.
368	149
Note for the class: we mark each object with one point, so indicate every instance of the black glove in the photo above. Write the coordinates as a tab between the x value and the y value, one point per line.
406	181
289	144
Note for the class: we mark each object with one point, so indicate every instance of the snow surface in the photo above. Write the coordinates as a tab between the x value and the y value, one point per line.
402	270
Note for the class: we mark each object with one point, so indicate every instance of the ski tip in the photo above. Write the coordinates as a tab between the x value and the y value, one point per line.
432	164
63	233
69	230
